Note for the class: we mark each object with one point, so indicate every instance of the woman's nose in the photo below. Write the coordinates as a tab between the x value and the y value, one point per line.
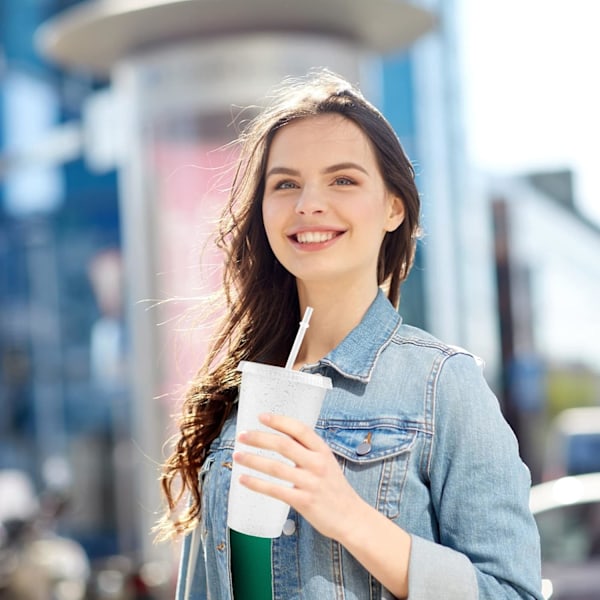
310	201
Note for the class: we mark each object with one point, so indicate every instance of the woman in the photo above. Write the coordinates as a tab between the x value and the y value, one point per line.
411	486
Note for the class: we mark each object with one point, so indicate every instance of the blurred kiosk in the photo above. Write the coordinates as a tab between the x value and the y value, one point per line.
178	69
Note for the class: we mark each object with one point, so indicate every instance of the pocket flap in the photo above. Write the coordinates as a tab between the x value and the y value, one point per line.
364	442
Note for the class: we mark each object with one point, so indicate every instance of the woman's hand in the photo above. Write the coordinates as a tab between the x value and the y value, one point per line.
323	496
320	492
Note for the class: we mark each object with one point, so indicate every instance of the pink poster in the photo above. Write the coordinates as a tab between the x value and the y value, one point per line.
193	181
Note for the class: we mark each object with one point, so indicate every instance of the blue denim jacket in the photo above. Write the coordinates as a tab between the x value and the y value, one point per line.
443	465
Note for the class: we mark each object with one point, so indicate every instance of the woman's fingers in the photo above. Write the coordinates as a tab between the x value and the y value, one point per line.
319	492
294	428
281	444
289	495
298	442
271	467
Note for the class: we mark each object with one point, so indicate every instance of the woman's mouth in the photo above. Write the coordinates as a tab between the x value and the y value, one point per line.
314	237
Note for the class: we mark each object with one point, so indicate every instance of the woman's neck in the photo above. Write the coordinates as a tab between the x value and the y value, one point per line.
334	316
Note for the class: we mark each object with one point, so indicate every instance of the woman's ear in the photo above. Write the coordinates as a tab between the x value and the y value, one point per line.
395	216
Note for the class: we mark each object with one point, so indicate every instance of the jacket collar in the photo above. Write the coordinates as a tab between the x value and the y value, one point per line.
356	355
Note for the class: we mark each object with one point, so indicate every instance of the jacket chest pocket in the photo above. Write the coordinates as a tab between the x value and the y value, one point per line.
375	458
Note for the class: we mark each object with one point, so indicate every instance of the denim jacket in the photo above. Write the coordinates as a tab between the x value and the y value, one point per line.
443	465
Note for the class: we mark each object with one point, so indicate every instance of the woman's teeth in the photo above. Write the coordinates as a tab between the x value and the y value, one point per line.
314	237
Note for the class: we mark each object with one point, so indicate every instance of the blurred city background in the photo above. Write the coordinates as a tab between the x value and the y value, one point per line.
114	120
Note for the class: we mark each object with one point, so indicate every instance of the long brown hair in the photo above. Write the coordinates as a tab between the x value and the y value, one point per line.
261	303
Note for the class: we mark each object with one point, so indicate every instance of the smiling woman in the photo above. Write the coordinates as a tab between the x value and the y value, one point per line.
325	222
411	484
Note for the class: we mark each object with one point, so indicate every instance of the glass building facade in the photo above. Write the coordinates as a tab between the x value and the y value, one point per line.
58	421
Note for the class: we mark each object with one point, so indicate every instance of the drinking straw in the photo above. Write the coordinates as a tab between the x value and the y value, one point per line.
299	337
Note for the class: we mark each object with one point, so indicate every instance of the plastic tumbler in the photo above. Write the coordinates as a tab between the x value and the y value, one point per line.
269	389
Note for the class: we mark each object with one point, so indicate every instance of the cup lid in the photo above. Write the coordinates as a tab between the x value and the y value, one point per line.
300	376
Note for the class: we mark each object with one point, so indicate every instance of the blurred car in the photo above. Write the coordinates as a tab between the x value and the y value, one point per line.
567	512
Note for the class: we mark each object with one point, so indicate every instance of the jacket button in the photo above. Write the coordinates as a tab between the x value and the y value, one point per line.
363	449
365	446
289	527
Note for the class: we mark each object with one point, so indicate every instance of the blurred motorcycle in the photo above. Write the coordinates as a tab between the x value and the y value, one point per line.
35	562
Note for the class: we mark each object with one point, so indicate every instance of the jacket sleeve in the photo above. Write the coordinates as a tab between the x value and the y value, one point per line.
191	579
489	543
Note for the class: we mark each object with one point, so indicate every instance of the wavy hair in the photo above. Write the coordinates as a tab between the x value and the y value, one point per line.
261	302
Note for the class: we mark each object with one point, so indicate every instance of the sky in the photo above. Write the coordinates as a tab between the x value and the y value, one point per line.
532	95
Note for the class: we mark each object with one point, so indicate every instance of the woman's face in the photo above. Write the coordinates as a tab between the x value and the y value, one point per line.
326	208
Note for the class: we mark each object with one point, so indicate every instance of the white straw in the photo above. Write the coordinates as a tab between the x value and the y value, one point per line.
299	337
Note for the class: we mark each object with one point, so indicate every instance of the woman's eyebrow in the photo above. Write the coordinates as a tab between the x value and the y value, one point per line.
344	165
282	171
330	169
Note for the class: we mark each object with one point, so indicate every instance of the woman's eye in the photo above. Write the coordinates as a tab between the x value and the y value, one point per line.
285	185
343	181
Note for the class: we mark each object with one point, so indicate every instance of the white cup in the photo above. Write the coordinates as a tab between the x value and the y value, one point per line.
269	389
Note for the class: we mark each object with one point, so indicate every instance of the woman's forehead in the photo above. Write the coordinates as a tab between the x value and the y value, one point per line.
330	131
